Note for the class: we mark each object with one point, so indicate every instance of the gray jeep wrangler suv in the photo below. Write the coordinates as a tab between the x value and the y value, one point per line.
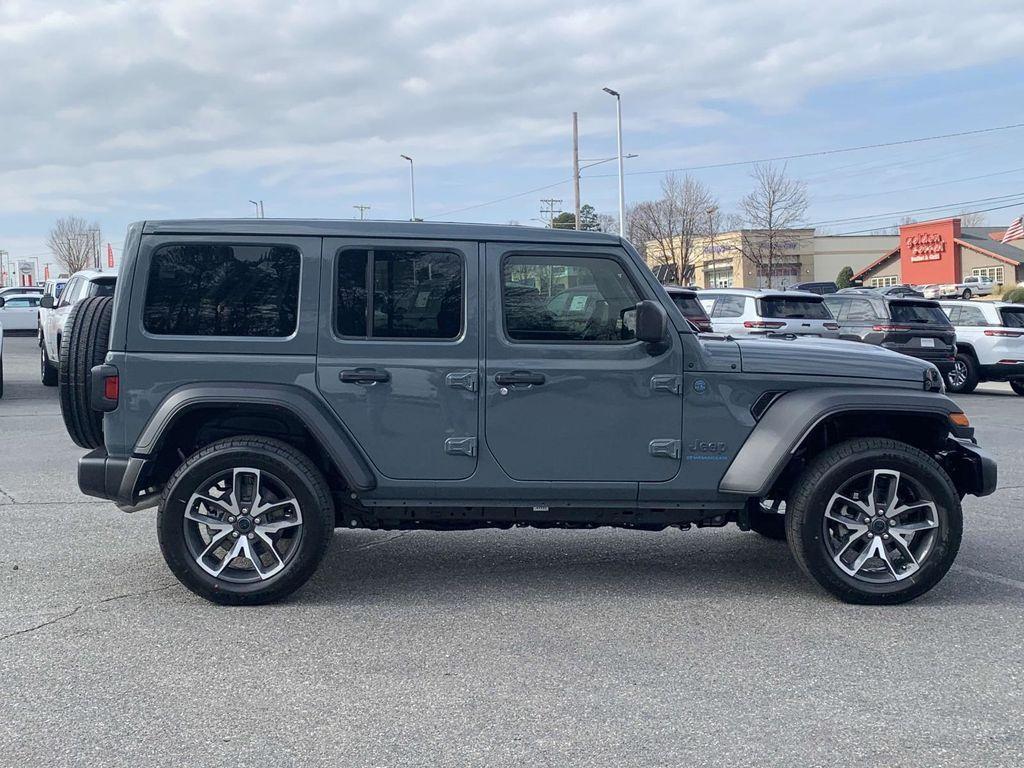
266	381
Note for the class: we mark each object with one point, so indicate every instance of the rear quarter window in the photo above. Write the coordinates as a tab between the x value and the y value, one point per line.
198	289
1012	317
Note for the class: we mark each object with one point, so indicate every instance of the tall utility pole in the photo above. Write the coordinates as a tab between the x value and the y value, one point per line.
576	167
362	210
257	207
262	214
552	210
4	266
618	136
412	188
711	211
94	241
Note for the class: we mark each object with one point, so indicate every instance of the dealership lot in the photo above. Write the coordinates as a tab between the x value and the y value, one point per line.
527	647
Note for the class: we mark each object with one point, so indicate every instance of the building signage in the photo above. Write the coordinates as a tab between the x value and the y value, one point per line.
927	246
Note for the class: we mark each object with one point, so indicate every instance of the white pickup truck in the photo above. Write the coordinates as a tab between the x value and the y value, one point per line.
973	285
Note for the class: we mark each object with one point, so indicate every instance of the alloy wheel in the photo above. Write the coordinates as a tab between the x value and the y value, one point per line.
243	525
880	526
958	375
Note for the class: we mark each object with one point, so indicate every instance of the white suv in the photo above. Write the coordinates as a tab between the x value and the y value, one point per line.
746	311
989	344
80	285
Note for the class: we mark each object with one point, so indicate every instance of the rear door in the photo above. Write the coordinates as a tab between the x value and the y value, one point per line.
727	313
919	328
399	350
571	395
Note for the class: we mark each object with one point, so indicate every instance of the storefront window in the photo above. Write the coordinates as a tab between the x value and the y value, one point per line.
995	274
884	280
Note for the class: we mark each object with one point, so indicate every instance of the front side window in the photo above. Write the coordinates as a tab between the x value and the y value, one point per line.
574	299
68	295
399	294
22	302
205	289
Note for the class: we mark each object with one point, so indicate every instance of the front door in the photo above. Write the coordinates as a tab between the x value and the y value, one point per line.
398	352
571	395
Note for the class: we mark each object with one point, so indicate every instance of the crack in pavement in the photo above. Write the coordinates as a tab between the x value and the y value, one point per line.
5	495
78	608
1006	581
388	540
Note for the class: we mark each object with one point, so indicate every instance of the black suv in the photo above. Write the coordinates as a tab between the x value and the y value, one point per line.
263	382
915	327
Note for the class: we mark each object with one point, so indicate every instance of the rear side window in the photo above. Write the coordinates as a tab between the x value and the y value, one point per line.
795	309
199	289
969	316
104	288
860	311
908	312
1012	317
399	294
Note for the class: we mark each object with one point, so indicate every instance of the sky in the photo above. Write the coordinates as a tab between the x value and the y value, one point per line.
123	111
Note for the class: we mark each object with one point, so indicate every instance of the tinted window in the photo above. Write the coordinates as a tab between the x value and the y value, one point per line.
567	299
412	294
104	288
835	306
797	309
906	312
689	306
1012	317
860	311
969	316
22	301
728	306
222	290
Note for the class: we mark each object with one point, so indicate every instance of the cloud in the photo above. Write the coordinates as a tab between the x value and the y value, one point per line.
108	103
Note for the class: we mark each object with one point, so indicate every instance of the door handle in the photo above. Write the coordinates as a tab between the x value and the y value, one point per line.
364	376
519	377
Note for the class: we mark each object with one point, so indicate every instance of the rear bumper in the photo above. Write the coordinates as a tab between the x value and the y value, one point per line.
972	468
115	478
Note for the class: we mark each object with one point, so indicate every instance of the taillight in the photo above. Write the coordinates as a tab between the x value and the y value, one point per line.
111	387
1008	334
890	328
762	324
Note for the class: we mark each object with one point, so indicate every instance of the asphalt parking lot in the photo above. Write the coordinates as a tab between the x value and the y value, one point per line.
489	648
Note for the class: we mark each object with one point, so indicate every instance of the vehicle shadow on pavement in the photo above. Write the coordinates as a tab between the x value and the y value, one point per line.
444	567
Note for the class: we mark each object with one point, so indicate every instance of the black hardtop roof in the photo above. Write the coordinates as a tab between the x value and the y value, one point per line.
428	230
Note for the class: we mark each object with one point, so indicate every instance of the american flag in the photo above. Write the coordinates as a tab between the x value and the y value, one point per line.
1015	231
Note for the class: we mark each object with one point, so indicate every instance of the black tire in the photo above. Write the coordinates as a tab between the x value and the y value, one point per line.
1017	385
967	293
769	524
832	470
84	344
47	370
276	459
965	366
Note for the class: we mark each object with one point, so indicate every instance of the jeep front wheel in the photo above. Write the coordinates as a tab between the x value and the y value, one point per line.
245	521
874	521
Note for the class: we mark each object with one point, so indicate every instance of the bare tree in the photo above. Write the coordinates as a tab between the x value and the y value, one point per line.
776	204
670	225
74	243
971	219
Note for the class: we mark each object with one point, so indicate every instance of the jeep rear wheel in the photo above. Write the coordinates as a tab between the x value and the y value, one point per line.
83	345
47	370
245	521
963	376
874	521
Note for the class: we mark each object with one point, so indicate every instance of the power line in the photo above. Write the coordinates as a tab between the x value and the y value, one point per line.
851	219
976	210
735	163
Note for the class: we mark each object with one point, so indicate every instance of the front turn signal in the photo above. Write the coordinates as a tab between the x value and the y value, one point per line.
960	419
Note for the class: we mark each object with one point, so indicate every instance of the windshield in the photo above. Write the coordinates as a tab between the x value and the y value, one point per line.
916	312
795	309
1012	317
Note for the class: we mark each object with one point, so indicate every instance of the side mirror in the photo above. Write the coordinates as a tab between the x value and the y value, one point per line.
46	302
2	302
651	322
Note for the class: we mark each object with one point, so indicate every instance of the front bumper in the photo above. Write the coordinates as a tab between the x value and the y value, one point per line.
972	469
116	478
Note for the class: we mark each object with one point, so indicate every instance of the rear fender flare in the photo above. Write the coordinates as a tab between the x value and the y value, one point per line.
313	413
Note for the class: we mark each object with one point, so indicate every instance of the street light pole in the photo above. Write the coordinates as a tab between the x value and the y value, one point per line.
711	211
412	187
257	207
618	136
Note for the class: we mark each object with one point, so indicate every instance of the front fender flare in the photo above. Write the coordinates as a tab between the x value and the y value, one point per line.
312	412
792	416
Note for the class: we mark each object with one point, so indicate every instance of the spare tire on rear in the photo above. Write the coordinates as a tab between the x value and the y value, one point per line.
84	344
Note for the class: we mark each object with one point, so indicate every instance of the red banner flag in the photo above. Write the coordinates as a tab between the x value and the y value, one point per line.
110	256
46	272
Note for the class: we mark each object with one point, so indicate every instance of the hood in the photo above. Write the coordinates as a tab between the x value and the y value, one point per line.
828	357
